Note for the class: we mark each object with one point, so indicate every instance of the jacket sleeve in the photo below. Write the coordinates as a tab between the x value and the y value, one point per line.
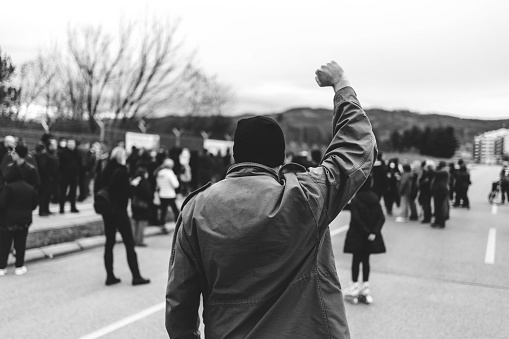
183	290
173	180
380	220
347	162
4	197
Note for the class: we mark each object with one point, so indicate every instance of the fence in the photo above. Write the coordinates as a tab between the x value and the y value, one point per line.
32	137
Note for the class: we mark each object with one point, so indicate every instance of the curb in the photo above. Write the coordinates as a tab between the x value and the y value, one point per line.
52	251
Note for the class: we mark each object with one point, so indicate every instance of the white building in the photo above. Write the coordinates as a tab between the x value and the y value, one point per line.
490	147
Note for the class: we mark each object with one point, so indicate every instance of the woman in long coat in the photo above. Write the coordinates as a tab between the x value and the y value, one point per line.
364	237
116	179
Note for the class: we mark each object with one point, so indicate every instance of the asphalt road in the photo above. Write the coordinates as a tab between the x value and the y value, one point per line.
430	284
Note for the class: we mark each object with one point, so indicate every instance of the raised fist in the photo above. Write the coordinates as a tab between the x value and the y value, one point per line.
330	74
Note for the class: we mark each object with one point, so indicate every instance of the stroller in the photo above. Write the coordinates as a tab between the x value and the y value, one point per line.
495	196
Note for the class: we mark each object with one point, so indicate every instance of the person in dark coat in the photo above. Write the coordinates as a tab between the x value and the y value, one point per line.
462	184
391	195
504	181
379	176
17	201
425	190
48	163
364	235
116	180
141	198
440	192
69	167
28	172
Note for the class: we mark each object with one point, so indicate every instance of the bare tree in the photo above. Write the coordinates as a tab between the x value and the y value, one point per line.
205	95
97	56
151	76
36	80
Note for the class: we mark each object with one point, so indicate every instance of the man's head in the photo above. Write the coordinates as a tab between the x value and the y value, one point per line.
9	142
71	144
259	139
19	154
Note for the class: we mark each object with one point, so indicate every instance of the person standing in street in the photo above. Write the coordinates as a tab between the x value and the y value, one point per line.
256	246
425	190
364	237
405	192
504	181
69	166
48	164
379	176
462	184
167	183
440	191
17	201
116	180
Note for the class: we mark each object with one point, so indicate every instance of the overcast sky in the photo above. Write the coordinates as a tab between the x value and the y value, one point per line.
449	57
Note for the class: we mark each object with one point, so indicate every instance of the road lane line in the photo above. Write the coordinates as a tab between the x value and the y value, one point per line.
490	247
339	230
494	209
124	322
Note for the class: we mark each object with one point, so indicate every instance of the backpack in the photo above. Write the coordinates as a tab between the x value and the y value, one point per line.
102	201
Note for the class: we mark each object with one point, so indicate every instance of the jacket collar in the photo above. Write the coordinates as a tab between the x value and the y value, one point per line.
245	169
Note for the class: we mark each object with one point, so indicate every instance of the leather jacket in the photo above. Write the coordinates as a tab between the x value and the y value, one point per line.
257	245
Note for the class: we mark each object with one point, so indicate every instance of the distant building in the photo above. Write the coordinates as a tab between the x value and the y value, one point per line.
490	147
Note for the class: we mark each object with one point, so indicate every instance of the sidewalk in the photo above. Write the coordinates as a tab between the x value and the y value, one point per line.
61	234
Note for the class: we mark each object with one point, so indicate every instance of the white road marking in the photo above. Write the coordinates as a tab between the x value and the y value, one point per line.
339	230
494	209
124	322
490	247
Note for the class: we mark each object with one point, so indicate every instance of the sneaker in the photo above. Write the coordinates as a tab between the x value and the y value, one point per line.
366	293
3	271
20	270
400	219
74	210
112	281
351	293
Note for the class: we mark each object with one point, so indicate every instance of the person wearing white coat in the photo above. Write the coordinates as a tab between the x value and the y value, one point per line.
167	183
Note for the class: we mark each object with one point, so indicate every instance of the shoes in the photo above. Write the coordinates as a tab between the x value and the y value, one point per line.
400	219
437	225
112	281
20	270
365	293
141	245
413	219
62	211
425	221
74	210
140	281
3	271
164	230
44	214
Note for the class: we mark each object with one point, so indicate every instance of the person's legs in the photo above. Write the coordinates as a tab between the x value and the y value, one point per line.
389	201
141	232
426	209
20	241
110	231
64	183
73	185
365	267
174	208
5	247
124	227
164	210
413	209
356	261
505	192
440	201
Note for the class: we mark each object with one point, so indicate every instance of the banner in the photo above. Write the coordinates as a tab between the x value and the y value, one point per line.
141	140
218	147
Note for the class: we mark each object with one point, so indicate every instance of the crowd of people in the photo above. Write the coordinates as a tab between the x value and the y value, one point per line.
65	171
435	187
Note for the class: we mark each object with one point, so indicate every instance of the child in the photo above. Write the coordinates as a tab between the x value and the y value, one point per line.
362	239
